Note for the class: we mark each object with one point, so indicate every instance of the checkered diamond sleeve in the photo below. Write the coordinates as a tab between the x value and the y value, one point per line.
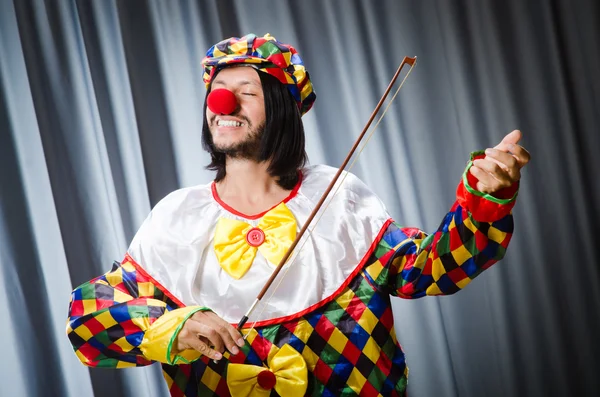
410	263
109	315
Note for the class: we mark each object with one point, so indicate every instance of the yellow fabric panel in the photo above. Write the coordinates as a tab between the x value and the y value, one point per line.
344	299
287	56
210	378
310	357
122	297
433	289
128	267
81	357
463	283
272	352
461	254
368	320
469	224
84	332
123	344
100	281
303	330
452	224
249	335
374	269
143	323
239	47
356	381
371	350
337	340
114	278
218	53
496	235
89	306
168	379
106	319
125	364
186	356
421	257
437	269
146	289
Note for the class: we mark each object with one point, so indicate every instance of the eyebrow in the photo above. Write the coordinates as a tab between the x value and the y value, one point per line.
239	83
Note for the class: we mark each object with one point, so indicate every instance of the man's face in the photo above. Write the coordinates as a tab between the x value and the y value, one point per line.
238	134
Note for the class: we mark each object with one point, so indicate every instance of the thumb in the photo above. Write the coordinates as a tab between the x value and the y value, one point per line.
514	137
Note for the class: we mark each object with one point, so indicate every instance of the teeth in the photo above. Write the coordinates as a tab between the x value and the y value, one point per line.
229	123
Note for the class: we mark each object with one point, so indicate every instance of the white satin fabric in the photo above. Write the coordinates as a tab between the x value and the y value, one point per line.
175	246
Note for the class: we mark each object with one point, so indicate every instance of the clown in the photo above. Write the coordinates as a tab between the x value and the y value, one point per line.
201	257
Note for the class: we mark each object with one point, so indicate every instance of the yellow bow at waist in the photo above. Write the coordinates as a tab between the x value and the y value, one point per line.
287	374
236	242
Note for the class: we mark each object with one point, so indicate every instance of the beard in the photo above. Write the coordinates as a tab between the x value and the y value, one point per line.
246	149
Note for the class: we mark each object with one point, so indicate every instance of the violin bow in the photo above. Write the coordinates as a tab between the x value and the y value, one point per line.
406	61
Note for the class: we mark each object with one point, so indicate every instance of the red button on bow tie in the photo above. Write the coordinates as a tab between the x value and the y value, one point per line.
255	237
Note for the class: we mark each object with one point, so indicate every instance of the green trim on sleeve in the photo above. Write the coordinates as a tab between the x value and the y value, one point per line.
180	359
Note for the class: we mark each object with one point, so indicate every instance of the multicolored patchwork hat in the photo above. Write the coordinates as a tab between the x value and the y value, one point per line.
269	56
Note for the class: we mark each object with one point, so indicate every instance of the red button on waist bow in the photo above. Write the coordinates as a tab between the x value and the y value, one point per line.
266	379
255	237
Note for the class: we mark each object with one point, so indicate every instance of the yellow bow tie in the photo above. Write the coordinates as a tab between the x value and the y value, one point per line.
287	374
236	242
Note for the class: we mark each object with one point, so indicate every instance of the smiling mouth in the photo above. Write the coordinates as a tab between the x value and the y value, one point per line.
229	123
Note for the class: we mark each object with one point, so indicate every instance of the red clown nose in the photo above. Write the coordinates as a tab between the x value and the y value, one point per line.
221	101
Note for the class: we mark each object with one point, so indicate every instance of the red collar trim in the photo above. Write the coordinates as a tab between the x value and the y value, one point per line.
293	193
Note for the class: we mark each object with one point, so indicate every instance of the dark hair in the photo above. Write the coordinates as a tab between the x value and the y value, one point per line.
282	141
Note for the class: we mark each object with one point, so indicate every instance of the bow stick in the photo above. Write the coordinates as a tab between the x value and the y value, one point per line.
406	61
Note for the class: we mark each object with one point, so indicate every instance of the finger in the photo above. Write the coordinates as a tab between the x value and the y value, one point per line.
236	336
224	329
208	319
486	182
513	137
228	334
239	338
506	161
495	161
229	331
188	338
517	151
202	325
521	154
199	344
483	179
495	171
213	336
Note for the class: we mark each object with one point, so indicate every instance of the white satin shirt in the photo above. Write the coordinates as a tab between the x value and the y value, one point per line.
175	246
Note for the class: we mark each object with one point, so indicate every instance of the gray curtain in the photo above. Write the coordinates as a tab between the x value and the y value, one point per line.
100	117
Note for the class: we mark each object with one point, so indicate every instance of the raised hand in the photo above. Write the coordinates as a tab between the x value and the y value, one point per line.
502	164
209	334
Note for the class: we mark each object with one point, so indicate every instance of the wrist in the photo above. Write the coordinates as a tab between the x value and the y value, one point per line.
160	340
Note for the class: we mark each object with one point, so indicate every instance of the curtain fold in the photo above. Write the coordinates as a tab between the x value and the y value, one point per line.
101	114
